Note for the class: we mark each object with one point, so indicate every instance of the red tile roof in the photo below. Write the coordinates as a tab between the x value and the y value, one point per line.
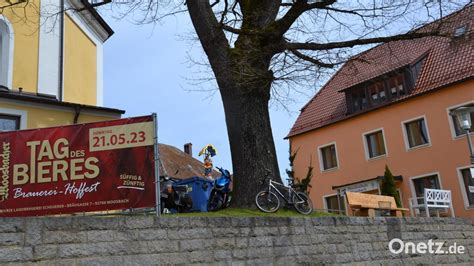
178	164
447	61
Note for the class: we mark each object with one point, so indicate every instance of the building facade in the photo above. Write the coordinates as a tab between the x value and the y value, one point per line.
51	64
389	106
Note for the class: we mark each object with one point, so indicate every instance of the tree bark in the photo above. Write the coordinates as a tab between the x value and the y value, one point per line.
244	83
251	142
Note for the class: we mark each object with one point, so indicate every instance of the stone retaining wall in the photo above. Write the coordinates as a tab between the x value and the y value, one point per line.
169	240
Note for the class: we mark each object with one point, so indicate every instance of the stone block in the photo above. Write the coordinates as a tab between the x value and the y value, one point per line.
58	237
15	254
241	242
11	225
195	244
10	239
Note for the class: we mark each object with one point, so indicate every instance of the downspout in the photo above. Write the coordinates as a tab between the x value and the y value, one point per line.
61	50
77	112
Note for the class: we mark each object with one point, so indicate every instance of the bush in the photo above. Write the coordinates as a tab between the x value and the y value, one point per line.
388	187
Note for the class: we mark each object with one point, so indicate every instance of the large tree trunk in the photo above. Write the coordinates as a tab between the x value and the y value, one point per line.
251	142
244	83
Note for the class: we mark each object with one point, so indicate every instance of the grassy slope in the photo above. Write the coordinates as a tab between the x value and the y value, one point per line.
238	212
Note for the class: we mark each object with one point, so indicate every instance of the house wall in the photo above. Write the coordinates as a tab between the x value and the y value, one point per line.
25	24
80	65
443	156
35	52
147	240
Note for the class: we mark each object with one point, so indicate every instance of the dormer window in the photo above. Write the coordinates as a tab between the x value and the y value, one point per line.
396	85
376	93
460	31
379	91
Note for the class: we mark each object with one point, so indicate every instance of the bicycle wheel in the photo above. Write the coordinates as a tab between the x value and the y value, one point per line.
302	203
267	201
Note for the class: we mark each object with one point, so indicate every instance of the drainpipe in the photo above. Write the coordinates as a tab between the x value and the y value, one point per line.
61	50
77	112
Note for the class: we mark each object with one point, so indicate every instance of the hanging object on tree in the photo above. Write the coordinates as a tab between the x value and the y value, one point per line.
208	151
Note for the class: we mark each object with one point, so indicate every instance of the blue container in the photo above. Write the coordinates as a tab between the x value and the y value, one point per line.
201	190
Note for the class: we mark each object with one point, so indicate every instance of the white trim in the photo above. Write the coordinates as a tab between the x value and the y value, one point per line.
8	46
321	163
467	206
366	149
342	197
98	41
88	20
412	185
405	133
49	50
450	120
16	112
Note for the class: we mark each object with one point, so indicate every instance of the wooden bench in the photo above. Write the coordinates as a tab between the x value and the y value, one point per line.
366	204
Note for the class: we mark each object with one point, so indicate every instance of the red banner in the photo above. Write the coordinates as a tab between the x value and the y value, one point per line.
78	168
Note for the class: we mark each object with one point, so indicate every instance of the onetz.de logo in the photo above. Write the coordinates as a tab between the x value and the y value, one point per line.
397	246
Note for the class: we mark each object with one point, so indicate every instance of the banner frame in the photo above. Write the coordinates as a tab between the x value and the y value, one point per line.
157	166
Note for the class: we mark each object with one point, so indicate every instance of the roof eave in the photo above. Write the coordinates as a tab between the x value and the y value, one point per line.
54	102
378	107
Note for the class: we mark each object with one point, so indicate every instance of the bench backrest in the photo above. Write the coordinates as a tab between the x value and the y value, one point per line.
370	201
437	197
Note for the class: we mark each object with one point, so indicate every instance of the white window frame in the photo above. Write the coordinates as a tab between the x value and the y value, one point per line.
366	147
321	163
15	112
463	189
7	47
451	124
405	133
412	184
342	197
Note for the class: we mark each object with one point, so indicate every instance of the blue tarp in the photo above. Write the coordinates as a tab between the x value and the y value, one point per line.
201	190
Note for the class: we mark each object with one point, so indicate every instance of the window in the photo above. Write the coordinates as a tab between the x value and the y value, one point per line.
457	128
334	204
396	86
375	144
359	100
468	183
416	133
377	93
6	52
421	183
460	31
9	122
328	157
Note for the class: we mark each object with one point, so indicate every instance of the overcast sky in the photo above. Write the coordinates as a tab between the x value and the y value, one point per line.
147	69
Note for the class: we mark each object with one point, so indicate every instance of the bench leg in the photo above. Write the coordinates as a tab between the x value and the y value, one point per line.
398	214
371	212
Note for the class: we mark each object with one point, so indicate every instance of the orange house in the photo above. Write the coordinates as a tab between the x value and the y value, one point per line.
390	106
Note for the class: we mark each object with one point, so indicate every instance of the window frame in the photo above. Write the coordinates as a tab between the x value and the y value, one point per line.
467	206
405	133
321	162
412	183
366	144
7	47
343	199
21	114
451	123
11	117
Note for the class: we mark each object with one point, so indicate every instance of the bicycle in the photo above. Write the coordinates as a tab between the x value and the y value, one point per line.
268	201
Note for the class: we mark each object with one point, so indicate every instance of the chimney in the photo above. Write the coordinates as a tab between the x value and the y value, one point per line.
188	148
